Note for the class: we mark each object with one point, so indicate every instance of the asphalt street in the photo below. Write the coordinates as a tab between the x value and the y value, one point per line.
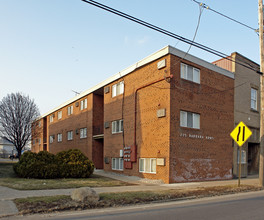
241	206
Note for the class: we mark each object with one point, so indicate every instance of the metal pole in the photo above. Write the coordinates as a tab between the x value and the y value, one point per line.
239	171
261	162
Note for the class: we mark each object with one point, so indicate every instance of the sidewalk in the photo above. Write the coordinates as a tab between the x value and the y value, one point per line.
7	207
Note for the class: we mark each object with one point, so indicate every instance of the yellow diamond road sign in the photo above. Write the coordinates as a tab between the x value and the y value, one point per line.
240	134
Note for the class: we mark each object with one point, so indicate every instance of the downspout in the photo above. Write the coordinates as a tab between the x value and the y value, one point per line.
135	122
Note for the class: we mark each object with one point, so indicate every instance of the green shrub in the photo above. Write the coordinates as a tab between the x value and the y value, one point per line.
74	164
44	165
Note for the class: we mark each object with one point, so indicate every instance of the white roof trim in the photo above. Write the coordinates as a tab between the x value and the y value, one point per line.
164	51
200	62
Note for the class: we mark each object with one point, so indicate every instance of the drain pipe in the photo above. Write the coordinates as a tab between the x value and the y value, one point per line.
142	87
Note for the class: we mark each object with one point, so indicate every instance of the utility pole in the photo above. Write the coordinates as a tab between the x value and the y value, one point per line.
261	159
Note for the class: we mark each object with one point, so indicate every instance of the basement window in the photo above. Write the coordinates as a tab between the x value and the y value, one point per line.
117	163
147	165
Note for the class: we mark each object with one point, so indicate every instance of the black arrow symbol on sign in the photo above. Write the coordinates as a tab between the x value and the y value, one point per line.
238	134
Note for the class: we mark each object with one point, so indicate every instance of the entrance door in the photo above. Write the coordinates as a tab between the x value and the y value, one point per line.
253	158
98	153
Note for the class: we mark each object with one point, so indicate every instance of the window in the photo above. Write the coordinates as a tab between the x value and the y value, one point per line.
59	137
51	138
254	94
39	141
147	165
117	163
83	132
243	156
59	114
69	135
118	89
117	126
189	120
83	104
70	110
33	141
51	118
190	73
39	124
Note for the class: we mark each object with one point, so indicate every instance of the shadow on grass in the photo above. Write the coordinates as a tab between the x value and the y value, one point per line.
9	179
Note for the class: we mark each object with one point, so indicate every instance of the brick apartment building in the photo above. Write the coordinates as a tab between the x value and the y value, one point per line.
166	117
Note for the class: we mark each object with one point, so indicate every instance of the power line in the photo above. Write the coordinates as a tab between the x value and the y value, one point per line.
232	19
163	31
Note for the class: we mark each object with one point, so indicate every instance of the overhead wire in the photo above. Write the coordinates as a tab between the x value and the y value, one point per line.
219	13
163	31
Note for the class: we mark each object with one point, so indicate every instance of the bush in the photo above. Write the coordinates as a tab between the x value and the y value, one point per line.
74	164
44	165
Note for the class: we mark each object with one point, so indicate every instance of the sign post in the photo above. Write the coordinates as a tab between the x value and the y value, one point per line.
240	135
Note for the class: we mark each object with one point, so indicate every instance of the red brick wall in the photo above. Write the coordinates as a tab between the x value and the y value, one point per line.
79	119
152	132
198	158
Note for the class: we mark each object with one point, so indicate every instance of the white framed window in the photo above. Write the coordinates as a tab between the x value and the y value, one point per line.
70	110
59	115
147	165
59	137
117	126
243	156
83	104
51	139
118	89
189	120
39	124
83	133
190	73
69	135
39	140
34	141
51	118
117	163
254	99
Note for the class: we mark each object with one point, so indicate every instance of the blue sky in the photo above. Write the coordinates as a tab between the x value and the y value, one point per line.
49	48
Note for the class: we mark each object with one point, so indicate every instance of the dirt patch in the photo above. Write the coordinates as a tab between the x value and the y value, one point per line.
63	203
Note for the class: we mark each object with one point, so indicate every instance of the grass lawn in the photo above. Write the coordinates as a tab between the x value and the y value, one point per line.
8	178
62	203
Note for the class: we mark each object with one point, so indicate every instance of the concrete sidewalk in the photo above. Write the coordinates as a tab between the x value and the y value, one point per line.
7	207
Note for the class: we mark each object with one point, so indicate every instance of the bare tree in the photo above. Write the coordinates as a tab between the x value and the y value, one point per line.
17	112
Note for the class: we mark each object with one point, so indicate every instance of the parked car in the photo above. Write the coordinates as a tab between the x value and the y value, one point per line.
13	156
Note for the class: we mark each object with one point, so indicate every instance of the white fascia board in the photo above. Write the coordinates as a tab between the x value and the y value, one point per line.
200	62
162	52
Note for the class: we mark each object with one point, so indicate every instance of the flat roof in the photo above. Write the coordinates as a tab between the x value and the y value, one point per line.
162	52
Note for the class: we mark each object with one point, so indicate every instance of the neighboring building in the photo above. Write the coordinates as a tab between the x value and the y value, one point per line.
164	118
6	148
246	108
